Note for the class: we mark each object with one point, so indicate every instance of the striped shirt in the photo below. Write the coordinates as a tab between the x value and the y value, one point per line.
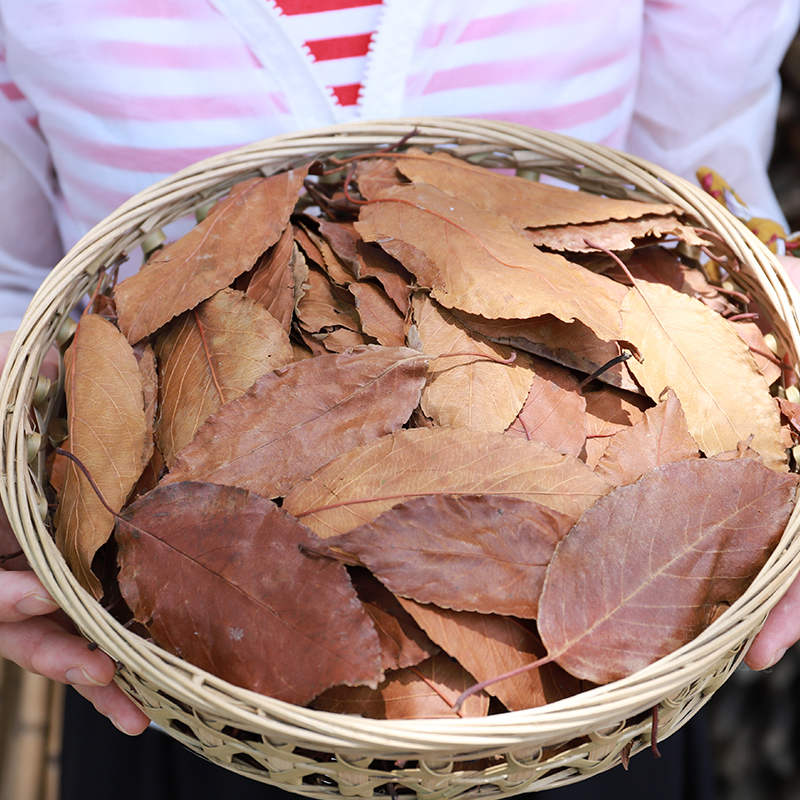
101	98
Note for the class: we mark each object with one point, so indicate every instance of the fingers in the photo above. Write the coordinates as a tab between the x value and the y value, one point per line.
780	631
39	644
113	703
42	646
22	595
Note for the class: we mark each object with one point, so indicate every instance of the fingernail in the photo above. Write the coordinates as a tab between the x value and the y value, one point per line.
776	657
33	605
121	727
80	677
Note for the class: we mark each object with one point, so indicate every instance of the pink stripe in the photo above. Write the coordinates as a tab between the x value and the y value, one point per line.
11	91
100	195
537	68
544	16
551	14
171	56
163	160
177	109
560	118
146	9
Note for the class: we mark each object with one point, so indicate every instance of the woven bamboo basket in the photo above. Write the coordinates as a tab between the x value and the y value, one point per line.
320	754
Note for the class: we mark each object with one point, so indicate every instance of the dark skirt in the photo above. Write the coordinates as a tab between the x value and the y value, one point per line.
100	762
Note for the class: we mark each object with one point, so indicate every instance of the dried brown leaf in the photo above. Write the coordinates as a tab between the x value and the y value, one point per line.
325	305
225	244
358	486
380	318
271	284
218	576
554	412
403	642
660	437
468	391
607	412
529	204
694	351
108	432
617	235
295	420
663	553
388	271
488	645
428	691
570	344
209	356
468	552
477	262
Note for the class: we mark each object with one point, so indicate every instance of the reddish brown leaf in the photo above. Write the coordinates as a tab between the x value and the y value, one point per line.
108	432
467	552
295	420
272	281
554	412
403	643
768	365
325	305
428	691
209	356
642	571
217	576
146	357
388	271
340	239
477	262
660	437
487	645
208	258
654	264
377	175
358	486
338	270
380	317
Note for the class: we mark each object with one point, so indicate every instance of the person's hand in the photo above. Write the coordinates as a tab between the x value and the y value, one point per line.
39	637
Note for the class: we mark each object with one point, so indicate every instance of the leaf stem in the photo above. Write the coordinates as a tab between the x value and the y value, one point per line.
82	467
479	687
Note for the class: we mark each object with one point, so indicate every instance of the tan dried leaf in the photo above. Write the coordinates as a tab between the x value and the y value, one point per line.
209	356
529	204
108	432
477	262
468	391
363	483
660	437
554	412
694	351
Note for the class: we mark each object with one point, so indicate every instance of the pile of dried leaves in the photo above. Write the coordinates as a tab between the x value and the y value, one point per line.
363	440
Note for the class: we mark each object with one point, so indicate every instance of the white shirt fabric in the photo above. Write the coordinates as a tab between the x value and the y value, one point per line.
101	98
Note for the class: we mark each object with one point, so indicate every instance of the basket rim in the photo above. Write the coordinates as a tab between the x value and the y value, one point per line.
627	696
